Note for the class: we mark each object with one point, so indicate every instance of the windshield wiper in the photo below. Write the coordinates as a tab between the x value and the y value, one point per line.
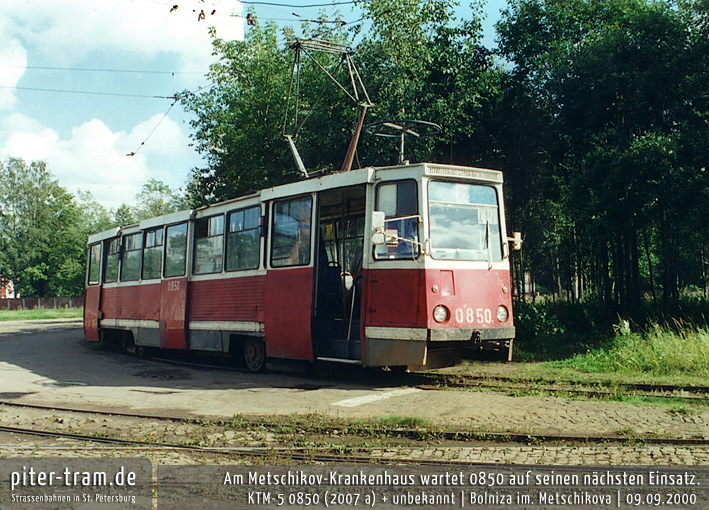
488	244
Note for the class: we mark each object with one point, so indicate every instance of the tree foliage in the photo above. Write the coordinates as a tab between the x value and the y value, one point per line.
238	118
42	237
155	199
596	110
619	86
43	228
416	61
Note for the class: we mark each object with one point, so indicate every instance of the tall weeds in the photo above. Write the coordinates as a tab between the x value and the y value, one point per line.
660	350
591	337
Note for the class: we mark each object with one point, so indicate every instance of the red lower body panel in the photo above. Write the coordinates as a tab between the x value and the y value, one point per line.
233	299
406	298
91	313
289	304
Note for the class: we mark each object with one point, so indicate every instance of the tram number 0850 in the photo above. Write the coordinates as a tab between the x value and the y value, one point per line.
473	315
297	498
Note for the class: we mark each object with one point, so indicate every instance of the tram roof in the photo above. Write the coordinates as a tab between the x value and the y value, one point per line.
311	185
372	174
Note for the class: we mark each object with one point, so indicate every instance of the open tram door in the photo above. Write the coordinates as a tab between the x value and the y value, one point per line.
338	274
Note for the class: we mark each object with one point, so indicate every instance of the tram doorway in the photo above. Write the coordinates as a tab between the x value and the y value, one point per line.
338	282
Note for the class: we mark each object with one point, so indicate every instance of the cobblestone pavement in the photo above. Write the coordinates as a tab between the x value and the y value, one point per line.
486	455
557	455
501	413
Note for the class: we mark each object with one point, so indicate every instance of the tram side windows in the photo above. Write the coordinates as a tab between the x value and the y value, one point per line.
152	254
464	221
399	202
243	240
94	270
176	250
291	227
132	257
112	251
209	245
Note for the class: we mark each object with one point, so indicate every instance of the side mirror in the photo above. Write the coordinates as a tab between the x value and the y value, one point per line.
378	218
516	240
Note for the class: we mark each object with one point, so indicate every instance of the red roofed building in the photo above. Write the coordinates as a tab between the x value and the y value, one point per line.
6	290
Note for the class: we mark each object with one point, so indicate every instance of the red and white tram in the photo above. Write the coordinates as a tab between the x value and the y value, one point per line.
402	266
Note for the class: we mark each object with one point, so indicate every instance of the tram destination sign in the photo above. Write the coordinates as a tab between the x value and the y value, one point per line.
481	174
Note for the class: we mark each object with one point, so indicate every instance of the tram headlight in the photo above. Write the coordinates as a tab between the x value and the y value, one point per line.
502	313
441	313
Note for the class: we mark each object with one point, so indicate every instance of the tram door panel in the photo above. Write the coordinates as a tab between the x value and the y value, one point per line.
289	295
173	289
336	315
173	308
92	295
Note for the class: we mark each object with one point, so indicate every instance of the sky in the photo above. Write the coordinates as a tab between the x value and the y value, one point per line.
88	85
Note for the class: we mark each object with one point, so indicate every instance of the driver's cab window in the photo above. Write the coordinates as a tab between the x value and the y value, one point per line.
399	202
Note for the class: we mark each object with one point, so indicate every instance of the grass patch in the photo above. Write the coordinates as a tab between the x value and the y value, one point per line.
675	406
660	351
401	422
316	424
41	314
588	342
558	330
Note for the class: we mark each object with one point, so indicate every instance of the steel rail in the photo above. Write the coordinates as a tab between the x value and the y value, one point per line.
291	453
670	391
97	412
425	380
413	434
328	454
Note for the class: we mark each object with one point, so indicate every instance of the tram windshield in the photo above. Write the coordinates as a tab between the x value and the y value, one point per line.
464	221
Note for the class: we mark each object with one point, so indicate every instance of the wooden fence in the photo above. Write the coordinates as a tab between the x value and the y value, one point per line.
38	303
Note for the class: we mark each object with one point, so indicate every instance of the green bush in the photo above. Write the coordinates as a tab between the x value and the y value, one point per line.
553	330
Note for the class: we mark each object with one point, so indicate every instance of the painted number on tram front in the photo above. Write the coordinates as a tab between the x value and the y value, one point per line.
473	315
173	285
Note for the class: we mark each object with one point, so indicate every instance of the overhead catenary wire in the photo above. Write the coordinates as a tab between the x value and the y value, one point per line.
120	83
142	144
175	5
292	6
88	92
175	99
98	70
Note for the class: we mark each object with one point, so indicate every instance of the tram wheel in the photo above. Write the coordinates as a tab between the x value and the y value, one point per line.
254	354
398	369
127	342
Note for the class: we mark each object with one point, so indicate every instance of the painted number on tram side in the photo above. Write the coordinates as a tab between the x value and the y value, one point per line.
173	285
473	315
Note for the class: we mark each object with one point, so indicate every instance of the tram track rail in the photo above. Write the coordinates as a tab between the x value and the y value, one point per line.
437	381
323	455
292	453
416	435
595	389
